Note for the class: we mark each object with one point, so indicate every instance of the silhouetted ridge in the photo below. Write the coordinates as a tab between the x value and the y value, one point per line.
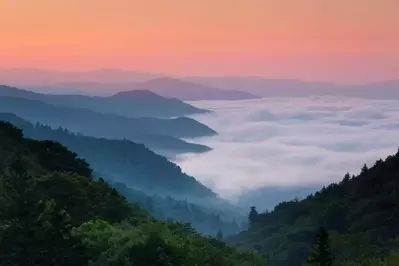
189	91
130	104
159	134
137	94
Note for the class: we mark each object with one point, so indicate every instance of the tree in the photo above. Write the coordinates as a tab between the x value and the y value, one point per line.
253	216
364	169
347	177
321	253
219	235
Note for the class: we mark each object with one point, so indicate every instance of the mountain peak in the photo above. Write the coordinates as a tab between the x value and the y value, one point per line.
137	94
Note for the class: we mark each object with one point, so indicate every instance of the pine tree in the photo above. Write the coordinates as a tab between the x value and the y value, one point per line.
253	216
219	235
347	177
364	169
320	254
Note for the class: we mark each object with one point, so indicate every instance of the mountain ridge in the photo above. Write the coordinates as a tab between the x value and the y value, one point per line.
131	163
132	104
112	126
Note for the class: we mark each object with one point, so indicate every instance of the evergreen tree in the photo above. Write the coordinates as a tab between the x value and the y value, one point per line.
364	169
219	235
320	254
253	216
347	177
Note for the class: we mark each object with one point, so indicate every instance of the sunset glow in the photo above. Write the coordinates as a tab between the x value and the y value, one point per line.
338	40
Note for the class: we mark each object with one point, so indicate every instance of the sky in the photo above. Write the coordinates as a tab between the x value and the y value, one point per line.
330	40
291	142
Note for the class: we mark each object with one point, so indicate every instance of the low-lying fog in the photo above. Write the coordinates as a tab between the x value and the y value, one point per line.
291	142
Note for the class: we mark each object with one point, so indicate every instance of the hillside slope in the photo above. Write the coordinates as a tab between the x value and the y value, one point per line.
361	212
157	134
145	178
189	91
138	103
54	213
121	161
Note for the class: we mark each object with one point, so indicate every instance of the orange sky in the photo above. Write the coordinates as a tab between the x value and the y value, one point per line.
340	40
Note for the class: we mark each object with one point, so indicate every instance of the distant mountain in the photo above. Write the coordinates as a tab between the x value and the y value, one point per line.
379	90
166	87
132	104
34	77
108	81
268	87
188	91
298	88
156	134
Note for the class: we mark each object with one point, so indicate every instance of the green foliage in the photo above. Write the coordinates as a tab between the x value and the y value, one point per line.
206	220
361	213
56	214
390	260
156	243
320	254
124	162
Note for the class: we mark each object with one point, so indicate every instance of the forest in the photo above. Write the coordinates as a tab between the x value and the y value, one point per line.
133	170
360	214
54	213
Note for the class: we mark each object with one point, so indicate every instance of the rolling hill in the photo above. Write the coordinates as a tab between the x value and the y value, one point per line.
158	134
55	213
265	87
158	185
189	91
166	87
121	161
131	104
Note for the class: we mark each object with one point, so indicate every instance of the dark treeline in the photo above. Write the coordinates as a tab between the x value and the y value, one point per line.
54	213
361	214
128	165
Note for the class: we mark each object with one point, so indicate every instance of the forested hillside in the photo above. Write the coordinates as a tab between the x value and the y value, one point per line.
157	134
121	161
53	213
211	219
361	213
129	165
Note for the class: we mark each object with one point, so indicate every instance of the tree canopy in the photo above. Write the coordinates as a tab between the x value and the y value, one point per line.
57	214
